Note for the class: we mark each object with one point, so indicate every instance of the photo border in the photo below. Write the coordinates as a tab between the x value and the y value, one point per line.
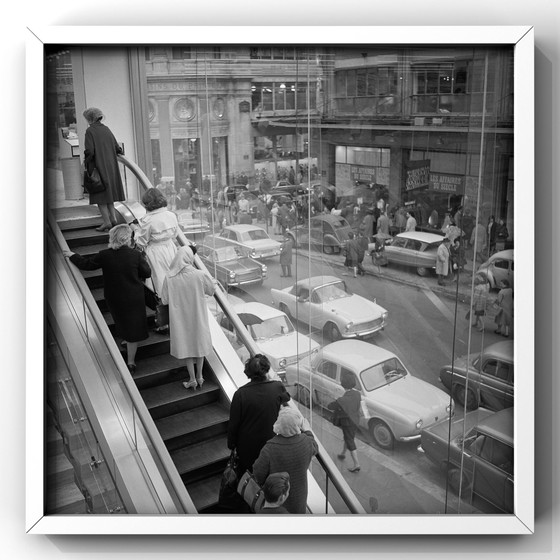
522	522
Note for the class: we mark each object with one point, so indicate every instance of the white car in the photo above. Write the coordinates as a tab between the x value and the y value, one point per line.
326	303
274	334
395	404
499	267
253	240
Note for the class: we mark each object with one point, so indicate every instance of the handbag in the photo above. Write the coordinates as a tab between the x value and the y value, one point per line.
249	489
162	314
92	182
228	484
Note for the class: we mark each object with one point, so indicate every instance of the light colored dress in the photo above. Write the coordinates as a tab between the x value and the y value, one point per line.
505	302
156	235
184	289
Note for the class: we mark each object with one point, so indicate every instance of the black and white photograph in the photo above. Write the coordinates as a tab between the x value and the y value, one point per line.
265	265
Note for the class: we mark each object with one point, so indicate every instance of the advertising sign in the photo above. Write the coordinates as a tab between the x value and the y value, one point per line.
445	182
417	174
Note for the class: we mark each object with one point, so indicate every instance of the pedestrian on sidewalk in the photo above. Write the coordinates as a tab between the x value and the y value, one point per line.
351	254
286	256
442	262
362	245
504	301
480	297
346	416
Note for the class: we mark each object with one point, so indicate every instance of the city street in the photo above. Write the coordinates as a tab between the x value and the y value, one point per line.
422	331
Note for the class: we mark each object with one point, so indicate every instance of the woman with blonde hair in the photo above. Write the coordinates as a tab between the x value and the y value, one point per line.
100	153
184	289
124	270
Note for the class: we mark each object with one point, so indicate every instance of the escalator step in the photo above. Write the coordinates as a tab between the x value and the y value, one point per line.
191	421
204	493
203	455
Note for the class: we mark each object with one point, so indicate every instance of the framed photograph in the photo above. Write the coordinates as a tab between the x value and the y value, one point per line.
353	197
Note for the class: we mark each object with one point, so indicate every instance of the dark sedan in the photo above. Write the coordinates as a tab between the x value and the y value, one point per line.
326	232
228	265
490	377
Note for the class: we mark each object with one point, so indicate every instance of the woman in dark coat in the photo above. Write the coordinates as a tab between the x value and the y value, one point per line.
253	412
100	153
291	451
286	256
124	271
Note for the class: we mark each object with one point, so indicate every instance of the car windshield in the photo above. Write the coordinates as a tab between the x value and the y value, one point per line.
254	235
271	328
383	373
339	223
331	292
225	254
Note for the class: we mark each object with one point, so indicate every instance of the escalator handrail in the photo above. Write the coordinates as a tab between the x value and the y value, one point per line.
132	390
322	456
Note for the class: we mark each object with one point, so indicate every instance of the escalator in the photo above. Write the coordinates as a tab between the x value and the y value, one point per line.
192	424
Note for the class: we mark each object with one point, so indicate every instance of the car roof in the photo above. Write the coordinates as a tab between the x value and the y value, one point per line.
423	236
259	309
502	350
356	354
315	281
329	218
244	227
499	425
507	254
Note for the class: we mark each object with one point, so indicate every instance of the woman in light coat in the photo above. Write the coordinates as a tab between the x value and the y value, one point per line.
184	289
505	304
156	235
442	260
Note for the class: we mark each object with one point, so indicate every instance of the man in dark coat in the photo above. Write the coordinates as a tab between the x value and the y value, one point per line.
286	256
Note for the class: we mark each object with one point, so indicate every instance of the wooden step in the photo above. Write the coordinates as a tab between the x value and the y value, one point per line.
193	459
84	237
192	426
172	398
157	370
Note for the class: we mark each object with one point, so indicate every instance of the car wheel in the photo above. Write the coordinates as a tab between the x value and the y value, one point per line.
463	395
328	249
422	271
302	396
382	434
457	481
332	332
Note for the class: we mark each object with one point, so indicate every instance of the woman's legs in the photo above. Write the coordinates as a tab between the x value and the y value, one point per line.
131	348
112	213
190	370
104	211
199	365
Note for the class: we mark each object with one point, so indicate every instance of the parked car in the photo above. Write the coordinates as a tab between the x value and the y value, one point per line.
413	248
195	229
278	196
274	334
396	405
499	267
326	232
481	463
490	377
326	303
233	191
253	240
230	266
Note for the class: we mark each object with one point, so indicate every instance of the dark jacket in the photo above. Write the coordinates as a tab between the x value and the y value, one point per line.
124	270
286	252
348	407
253	412
292	455
101	151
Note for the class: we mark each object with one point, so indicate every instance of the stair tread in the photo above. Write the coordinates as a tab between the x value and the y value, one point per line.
205	492
173	392
58	463
157	364
89	249
201	454
63	496
191	420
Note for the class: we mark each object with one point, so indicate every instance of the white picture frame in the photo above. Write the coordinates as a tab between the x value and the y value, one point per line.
522	522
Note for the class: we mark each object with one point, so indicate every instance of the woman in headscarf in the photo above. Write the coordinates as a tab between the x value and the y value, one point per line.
100	153
291	451
184	289
124	271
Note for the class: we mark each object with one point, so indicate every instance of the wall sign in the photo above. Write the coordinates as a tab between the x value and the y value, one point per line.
417	174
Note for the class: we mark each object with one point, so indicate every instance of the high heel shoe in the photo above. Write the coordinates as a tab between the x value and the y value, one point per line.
189	384
200	381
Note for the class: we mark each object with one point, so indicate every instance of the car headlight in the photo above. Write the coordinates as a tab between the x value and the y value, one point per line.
282	362
232	275
419	424
253	253
349	325
449	408
385	315
264	269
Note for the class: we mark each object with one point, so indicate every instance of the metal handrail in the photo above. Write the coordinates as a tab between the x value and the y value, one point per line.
137	400
322	456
